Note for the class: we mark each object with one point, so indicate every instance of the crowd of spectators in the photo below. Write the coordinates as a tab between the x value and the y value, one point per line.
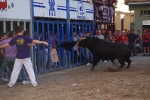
139	43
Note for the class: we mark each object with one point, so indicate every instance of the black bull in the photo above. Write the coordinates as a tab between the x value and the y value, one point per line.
102	49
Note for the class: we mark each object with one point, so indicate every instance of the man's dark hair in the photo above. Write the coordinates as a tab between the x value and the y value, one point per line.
19	28
26	33
16	32
11	34
1	35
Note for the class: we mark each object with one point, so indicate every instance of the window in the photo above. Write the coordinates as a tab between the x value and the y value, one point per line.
145	13
122	24
148	12
141	13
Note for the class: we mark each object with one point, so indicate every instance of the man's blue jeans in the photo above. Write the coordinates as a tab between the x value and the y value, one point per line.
9	61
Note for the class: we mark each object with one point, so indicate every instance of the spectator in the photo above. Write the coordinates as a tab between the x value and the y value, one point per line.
35	35
110	37
88	53
84	51
99	35
5	36
75	48
43	53
137	44
116	35
145	39
103	32
2	55
131	41
123	38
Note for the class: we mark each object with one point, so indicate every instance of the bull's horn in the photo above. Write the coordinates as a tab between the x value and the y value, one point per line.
83	38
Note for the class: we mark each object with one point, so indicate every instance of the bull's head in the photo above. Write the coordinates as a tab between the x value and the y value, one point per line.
83	42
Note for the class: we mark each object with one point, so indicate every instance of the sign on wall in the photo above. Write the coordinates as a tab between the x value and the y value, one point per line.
81	10
50	8
146	22
57	9
15	9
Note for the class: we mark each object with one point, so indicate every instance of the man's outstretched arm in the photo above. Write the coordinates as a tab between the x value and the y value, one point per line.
39	42
31	44
4	45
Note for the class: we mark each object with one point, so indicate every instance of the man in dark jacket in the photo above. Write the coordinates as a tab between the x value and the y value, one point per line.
131	41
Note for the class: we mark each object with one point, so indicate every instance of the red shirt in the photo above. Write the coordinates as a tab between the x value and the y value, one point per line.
123	39
145	37
117	39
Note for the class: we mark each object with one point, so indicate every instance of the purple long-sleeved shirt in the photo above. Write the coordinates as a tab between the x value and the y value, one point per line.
10	51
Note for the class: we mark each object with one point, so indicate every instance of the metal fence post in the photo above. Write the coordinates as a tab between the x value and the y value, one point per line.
93	24
32	33
68	30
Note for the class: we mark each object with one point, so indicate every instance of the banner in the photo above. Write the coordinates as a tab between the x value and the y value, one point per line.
57	9
15	9
50	8
81	10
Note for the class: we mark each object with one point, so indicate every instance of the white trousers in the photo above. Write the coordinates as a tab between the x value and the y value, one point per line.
17	67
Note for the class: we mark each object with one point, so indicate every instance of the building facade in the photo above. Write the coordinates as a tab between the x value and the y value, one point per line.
141	10
123	17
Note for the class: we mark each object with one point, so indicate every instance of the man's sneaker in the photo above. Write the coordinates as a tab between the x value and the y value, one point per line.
34	84
4	79
10	85
26	82
88	64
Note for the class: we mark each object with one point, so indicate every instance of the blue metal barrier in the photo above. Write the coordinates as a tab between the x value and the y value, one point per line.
80	27
53	33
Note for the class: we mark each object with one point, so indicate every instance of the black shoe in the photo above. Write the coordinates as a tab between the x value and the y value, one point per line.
148	54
